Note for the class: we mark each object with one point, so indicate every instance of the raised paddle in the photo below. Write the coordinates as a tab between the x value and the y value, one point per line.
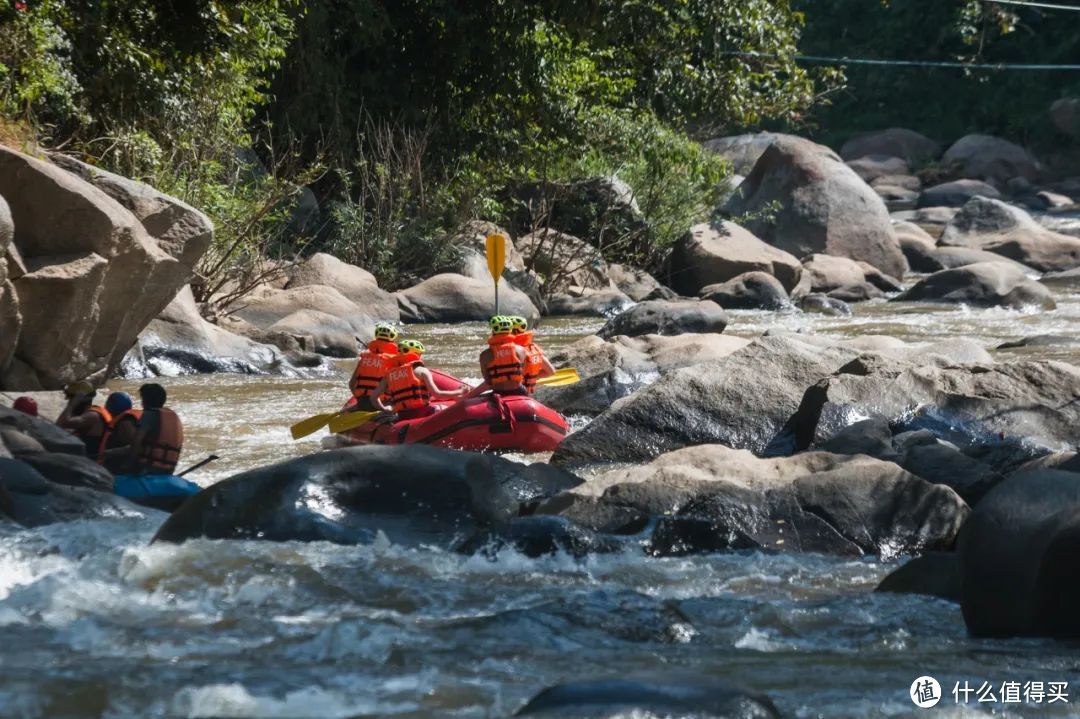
496	259
203	463
350	420
312	424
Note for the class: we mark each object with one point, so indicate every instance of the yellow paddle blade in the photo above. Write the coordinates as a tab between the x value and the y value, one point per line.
350	420
496	256
312	424
561	378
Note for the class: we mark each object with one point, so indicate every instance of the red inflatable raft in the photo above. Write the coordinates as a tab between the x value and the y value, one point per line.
488	422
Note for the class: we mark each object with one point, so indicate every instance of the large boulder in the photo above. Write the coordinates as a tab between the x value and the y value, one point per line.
469	244
598	303
355	284
31	500
71	470
656	695
989	158
267	306
930	258
456	298
749	291
618	367
47	434
874	167
895	142
934	574
598	209
10	318
824	206
348	495
711	253
667	317
994	226
984	284
712	497
563	261
96	274
638	285
829	275
955	193
744	401
1020	558
742	151
1003	414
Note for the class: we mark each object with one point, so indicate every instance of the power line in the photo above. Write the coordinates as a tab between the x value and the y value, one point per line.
1028	3
905	63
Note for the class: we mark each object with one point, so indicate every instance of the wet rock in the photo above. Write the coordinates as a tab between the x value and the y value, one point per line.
714	498
1005	230
455	298
538	536
347	495
1068	277
662	695
846	279
991	158
823	304
943	464
895	141
616	368
31	500
47	434
896	197
934	574
563	261
743	151
871	437
71	470
355	284
955	193
19	445
826	207
667	317
872	167
1063	461
1039	341
749	291
712	253
711	402
984	284
87	255
596	303
1020	558
933	259
596	514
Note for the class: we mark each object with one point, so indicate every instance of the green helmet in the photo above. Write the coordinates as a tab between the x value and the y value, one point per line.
501	325
412	347
385	331
520	323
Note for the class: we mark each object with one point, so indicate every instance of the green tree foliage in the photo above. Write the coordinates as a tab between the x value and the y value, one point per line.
943	102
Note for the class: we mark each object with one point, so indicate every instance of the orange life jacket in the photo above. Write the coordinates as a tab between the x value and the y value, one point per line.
92	441
106	441
161	453
534	359
505	372
374	363
405	389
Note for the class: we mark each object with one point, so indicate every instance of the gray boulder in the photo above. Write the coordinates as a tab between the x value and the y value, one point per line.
638	285
563	261
989	158
825	207
667	317
984	284
923	258
894	142
873	167
10	317
817	303
1003	229
955	193
45	433
355	284
711	253
934	574
743	151
830	274
597	303
748	291
456	298
71	470
30	500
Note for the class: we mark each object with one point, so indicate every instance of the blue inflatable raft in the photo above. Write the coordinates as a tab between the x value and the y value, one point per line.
160	491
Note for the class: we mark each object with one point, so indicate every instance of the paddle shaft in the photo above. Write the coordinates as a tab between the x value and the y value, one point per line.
203	463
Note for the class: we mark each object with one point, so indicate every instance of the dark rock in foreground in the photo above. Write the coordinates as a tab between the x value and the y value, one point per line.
538	536
934	574
31	500
661	695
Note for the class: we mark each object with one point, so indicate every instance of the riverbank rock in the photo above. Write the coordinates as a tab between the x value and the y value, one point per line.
1003	229
95	273
714	498
615	368
179	342
984	284
912	146
355	284
711	402
347	495
715	252
455	298
992	159
10	319
1020	558
825	207
667	317
749	291
563	261
955	193
31	500
662	695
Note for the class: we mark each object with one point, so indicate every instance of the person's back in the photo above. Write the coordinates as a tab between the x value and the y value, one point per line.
409	386
503	362
536	364
120	435
373	364
160	437
83	418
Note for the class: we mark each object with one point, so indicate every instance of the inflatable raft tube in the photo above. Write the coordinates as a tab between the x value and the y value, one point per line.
160	491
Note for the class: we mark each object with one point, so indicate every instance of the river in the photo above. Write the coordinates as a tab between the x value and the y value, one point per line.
98	623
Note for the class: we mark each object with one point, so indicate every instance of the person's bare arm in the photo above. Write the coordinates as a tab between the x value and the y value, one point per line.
433	389
376	395
485	386
547	369
85	422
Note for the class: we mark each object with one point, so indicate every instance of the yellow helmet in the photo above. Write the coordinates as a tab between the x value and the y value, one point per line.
520	323
79	387
412	346
501	325
385	331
